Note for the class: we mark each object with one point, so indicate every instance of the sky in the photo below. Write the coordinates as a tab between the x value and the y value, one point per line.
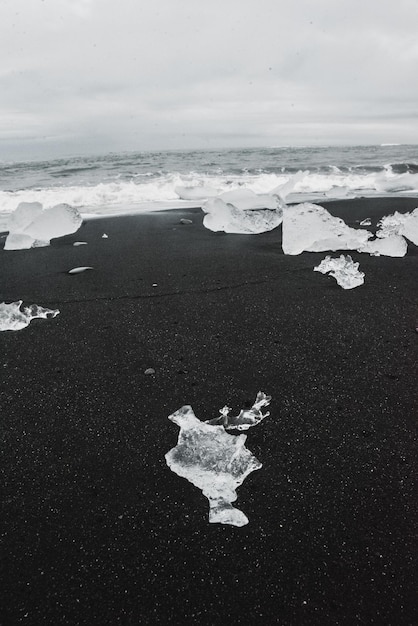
94	76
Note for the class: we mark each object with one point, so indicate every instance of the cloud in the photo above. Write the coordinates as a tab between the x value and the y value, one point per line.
113	74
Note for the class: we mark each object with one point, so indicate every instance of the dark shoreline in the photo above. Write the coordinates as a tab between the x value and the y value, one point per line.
96	530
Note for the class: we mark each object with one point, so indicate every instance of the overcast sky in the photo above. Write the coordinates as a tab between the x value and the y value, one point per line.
92	76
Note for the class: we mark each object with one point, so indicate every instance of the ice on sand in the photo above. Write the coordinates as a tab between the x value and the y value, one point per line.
243	212
246	417
343	269
214	461
405	224
31	226
13	318
311	228
393	245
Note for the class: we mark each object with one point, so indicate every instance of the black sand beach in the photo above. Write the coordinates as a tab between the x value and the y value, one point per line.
96	530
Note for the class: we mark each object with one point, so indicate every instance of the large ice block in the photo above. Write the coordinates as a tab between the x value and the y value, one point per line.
214	461
393	245
246	417
251	220
30	226
13	318
311	228
343	269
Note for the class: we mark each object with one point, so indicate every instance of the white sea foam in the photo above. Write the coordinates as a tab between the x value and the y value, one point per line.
145	193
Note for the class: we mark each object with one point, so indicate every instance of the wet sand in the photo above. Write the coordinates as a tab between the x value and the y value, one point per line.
96	530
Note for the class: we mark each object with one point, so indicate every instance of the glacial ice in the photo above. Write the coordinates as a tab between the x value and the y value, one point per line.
246	417
393	245
214	461
311	228
343	269
196	192
31	226
251	220
79	270
405	224
288	187
12	318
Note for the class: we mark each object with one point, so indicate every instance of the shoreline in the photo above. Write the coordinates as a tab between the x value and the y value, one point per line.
97	530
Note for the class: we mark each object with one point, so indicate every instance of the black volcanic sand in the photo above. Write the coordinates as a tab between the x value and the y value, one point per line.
96	530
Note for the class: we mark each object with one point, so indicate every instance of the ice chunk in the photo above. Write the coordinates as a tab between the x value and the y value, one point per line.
405	224
310	227
366	222
394	246
196	192
246	417
288	187
343	269
80	243
79	270
31	226
214	461
222	216
247	200
12	318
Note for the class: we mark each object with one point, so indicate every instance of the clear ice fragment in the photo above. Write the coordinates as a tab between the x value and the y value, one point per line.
288	187
13	318
214	461
311	228
30	226
251	220
393	245
79	270
246	417
405	224
343	269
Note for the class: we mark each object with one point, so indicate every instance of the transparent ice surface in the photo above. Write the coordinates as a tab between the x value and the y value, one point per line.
30	226
226	217
311	228
343	269
196	192
246	417
288	187
393	245
214	461
405	224
13	318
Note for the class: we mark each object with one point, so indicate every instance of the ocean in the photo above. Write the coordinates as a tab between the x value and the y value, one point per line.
143	181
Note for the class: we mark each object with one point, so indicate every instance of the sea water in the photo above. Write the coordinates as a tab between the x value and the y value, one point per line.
143	181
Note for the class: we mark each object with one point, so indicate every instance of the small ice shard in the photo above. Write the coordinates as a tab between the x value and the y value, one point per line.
149	371
246	417
251	220
79	270
197	192
394	246
311	228
13	318
214	461
366	222
343	269
185	221
80	243
30	226
104	236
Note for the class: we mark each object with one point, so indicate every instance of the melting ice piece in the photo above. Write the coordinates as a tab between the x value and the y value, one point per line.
310	227
214	461
30	226
80	243
246	417
79	270
196	192
288	187
405	224
12	318
227	217
366	222
343	269
394	246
